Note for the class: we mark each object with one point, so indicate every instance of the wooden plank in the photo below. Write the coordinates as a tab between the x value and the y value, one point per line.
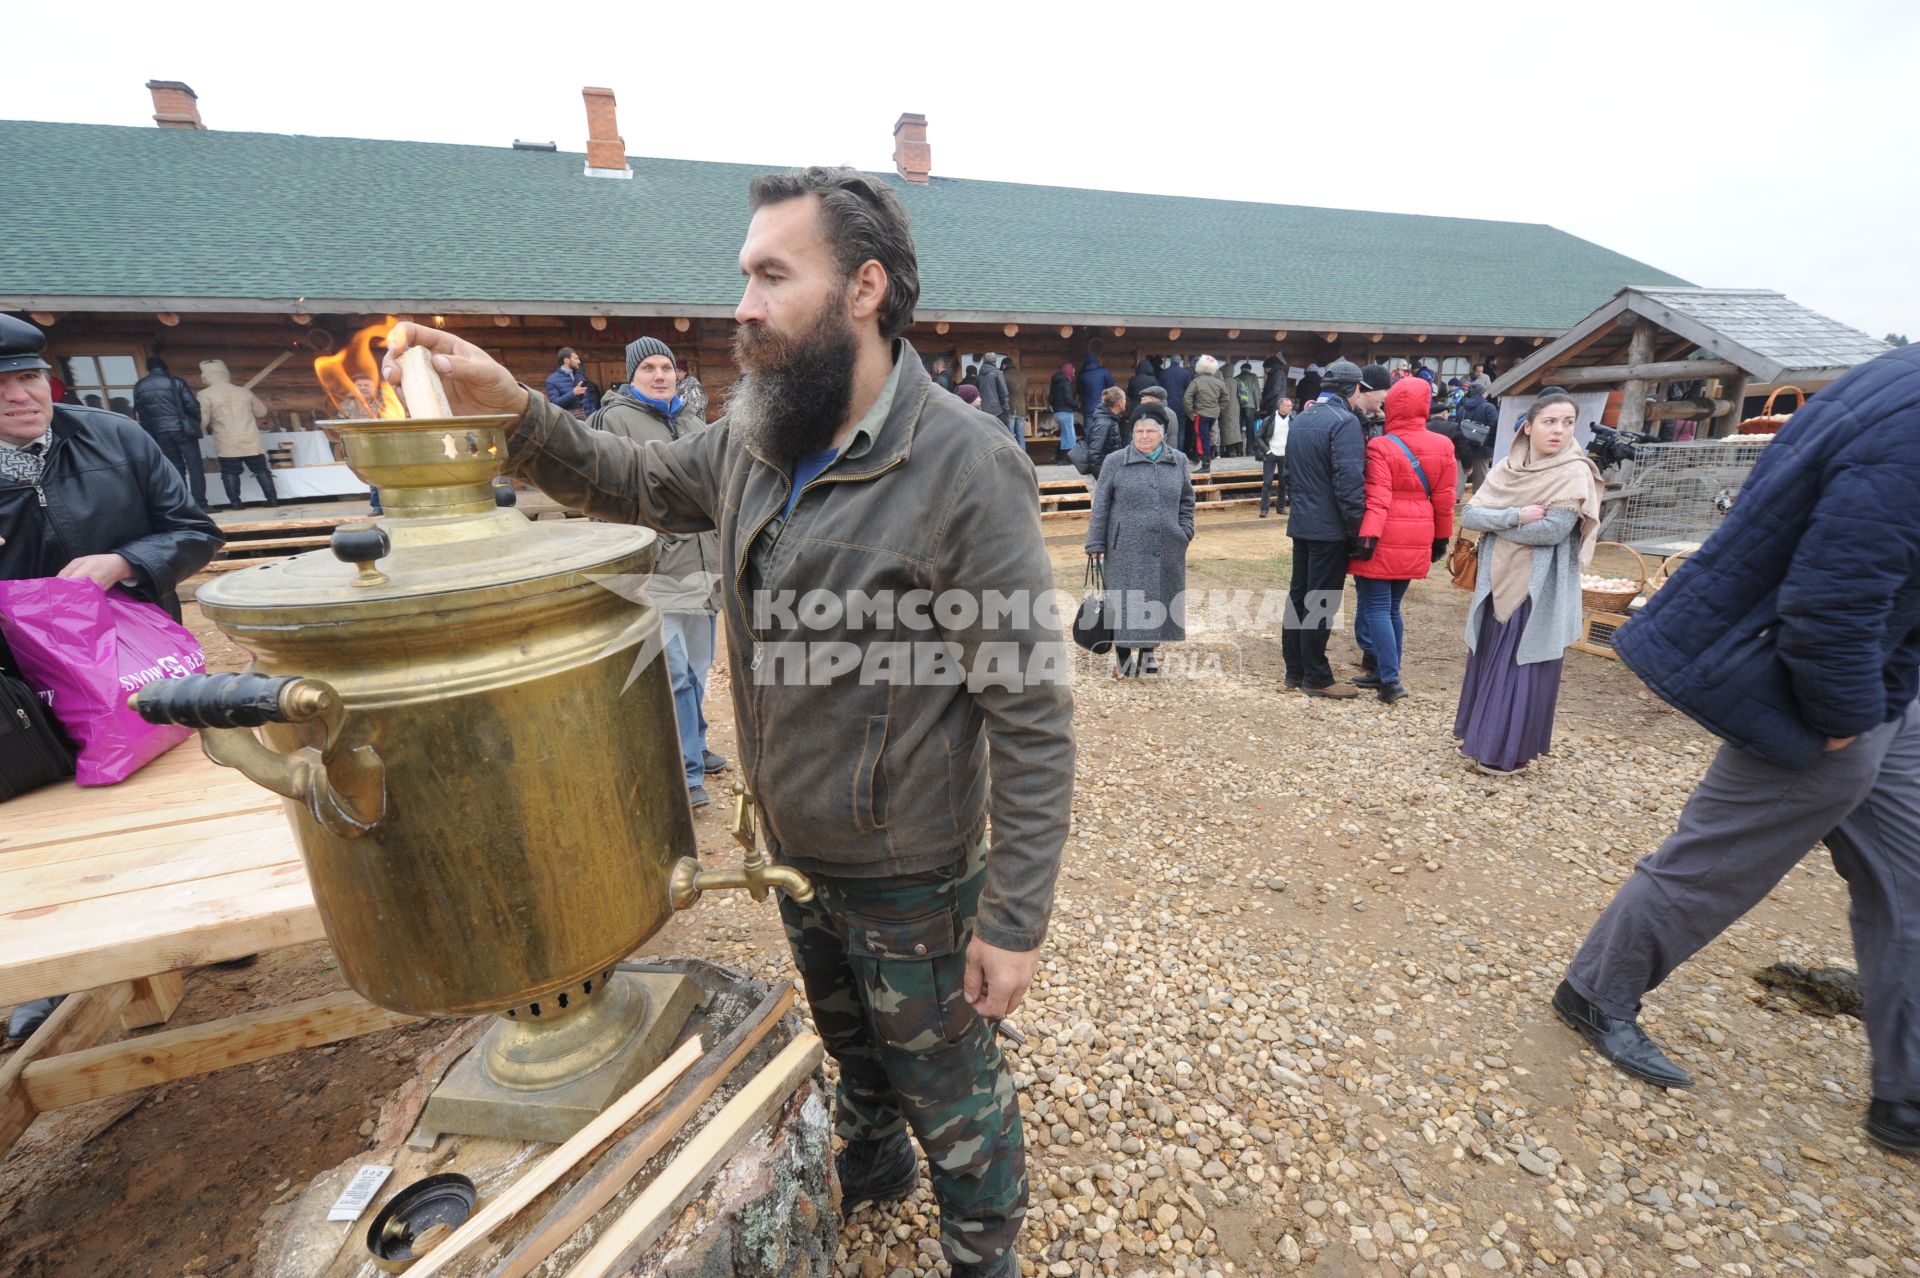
638	1099
606	1178
181	785
79	1022
181	860
683	1179
1679	370
152	999
312	523
272	543
118	938
123	849
80	1076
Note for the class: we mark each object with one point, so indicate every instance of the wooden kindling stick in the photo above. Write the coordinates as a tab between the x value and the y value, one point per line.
642	1096
681	1180
611	1174
420	385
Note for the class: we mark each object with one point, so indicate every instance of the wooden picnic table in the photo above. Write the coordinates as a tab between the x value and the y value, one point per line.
183	863
107	894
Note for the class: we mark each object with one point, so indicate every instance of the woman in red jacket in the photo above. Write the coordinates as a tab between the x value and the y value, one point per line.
1409	520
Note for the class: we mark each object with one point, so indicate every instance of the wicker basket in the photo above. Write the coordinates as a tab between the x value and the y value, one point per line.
1614	601
1770	422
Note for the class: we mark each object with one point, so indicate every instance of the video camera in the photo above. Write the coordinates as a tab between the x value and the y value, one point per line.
1610	447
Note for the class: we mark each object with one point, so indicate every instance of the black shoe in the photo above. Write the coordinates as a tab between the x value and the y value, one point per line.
1622	1042
1895	1125
697	796
1291	683
876	1171
711	762
1263	514
1367	681
1151	665
1389	693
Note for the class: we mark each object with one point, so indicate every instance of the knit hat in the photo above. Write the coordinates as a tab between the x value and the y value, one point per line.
643	349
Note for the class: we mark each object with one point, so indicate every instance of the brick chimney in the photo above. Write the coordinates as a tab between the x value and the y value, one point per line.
175	106
606	149
911	154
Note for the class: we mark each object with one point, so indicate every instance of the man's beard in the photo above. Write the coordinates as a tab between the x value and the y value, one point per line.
794	395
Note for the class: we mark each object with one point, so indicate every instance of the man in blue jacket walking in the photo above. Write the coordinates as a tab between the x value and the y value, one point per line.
1794	636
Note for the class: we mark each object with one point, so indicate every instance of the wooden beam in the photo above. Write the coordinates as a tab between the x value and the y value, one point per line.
1735	391
1684	409
199	1049
1633	392
639	1098
152	999
598	1186
79	1022
682	1180
1679	370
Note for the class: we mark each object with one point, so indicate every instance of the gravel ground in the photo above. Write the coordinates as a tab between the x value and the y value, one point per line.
1293	1017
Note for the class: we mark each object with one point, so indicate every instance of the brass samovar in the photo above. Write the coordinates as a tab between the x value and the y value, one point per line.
488	794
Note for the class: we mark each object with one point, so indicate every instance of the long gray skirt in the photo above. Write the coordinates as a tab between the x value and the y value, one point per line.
1506	709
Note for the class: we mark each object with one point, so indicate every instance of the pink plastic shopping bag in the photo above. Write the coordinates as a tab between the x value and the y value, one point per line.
86	650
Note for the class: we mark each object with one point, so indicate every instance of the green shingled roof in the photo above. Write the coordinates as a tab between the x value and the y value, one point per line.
91	211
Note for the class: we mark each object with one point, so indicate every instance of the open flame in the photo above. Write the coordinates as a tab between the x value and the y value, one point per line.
351	376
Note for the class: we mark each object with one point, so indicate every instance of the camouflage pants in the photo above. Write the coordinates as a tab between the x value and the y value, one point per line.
882	961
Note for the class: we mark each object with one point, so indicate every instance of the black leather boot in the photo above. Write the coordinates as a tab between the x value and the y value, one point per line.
1895	1125
1624	1043
876	1171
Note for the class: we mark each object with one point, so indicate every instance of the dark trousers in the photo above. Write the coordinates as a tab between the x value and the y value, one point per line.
1319	576
262	475
1747	824
1273	481
184	452
883	962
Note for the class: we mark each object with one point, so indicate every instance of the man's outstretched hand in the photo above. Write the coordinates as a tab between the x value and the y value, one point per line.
997	979
474	381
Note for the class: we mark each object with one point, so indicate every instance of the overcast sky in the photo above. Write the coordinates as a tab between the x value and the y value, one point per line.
1760	144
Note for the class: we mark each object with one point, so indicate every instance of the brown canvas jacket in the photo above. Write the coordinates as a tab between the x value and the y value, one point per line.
870	777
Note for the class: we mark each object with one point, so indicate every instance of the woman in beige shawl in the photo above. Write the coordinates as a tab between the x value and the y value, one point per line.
1538	512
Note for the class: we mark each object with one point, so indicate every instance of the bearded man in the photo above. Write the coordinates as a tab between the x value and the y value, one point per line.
841	468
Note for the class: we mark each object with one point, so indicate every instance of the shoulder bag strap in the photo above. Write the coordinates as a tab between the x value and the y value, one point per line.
1418	473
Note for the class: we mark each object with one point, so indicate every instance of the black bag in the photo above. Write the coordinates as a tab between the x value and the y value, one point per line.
1078	456
33	751
1092	624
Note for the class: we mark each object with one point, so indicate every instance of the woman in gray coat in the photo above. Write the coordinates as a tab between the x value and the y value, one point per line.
1142	522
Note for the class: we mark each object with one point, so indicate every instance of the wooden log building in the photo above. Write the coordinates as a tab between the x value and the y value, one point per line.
194	244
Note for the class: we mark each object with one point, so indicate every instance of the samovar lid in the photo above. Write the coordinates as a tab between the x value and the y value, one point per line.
443	535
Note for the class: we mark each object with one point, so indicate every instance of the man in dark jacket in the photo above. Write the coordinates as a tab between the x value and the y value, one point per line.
1094	377
1479	417
995	402
1106	434
1326	476
568	387
85	493
1145	374
1247	385
1174	379
838	469
170	412
1794	636
687	575
942	373
1063	401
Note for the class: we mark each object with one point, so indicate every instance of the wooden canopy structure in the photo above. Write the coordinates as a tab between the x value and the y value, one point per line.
1739	341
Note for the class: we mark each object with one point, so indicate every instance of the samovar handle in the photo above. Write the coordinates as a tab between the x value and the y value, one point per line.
344	789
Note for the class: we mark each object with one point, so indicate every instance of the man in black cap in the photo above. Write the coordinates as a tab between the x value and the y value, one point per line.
1326	470
85	493
170	412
